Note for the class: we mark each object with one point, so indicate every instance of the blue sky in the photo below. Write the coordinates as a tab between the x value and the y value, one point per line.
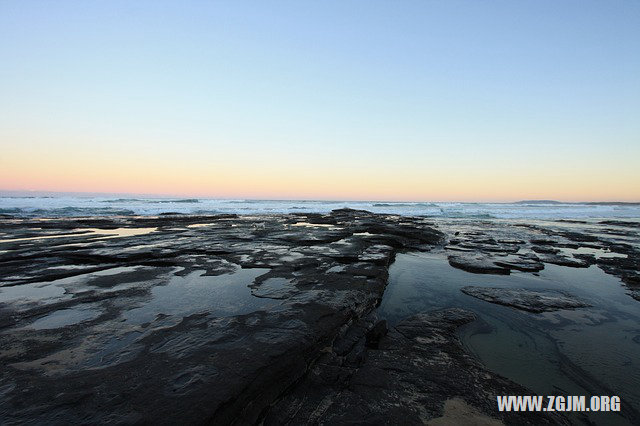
467	100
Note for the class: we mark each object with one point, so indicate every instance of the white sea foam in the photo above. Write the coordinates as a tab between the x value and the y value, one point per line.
92	206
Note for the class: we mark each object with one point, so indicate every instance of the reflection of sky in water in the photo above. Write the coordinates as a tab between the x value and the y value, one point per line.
535	350
221	295
81	233
91	233
54	291
64	317
598	253
273	288
31	292
315	225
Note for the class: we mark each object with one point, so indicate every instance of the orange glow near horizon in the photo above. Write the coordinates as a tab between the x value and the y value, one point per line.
74	162
186	178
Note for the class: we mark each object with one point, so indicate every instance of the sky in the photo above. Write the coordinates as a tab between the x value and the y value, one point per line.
358	100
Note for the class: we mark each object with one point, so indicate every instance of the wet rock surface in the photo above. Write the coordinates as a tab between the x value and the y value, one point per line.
477	264
498	247
526	299
412	376
202	319
173	318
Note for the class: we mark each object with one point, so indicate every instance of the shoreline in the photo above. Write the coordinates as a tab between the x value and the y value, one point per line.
137	352
108	206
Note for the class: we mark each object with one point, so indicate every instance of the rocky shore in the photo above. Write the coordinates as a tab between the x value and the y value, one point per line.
246	319
527	300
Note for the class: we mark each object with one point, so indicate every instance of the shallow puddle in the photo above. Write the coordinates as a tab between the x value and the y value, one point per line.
80	233
89	232
315	225
597	253
65	288
64	317
222	295
587	351
273	288
31	292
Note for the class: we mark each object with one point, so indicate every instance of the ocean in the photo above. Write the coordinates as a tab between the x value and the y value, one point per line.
67	206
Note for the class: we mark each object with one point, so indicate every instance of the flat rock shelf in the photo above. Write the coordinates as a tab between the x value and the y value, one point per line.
226	319
526	300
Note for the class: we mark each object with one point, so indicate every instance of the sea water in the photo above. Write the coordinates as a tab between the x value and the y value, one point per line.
587	351
61	206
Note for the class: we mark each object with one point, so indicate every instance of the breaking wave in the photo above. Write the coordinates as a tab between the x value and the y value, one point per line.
113	206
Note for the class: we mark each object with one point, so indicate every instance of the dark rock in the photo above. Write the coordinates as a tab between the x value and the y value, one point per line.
525	299
156	327
626	268
164	333
543	242
521	263
586	257
569	261
545	249
477	264
374	335
419	372
626	224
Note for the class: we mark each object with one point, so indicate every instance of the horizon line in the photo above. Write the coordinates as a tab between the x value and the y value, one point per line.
124	195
